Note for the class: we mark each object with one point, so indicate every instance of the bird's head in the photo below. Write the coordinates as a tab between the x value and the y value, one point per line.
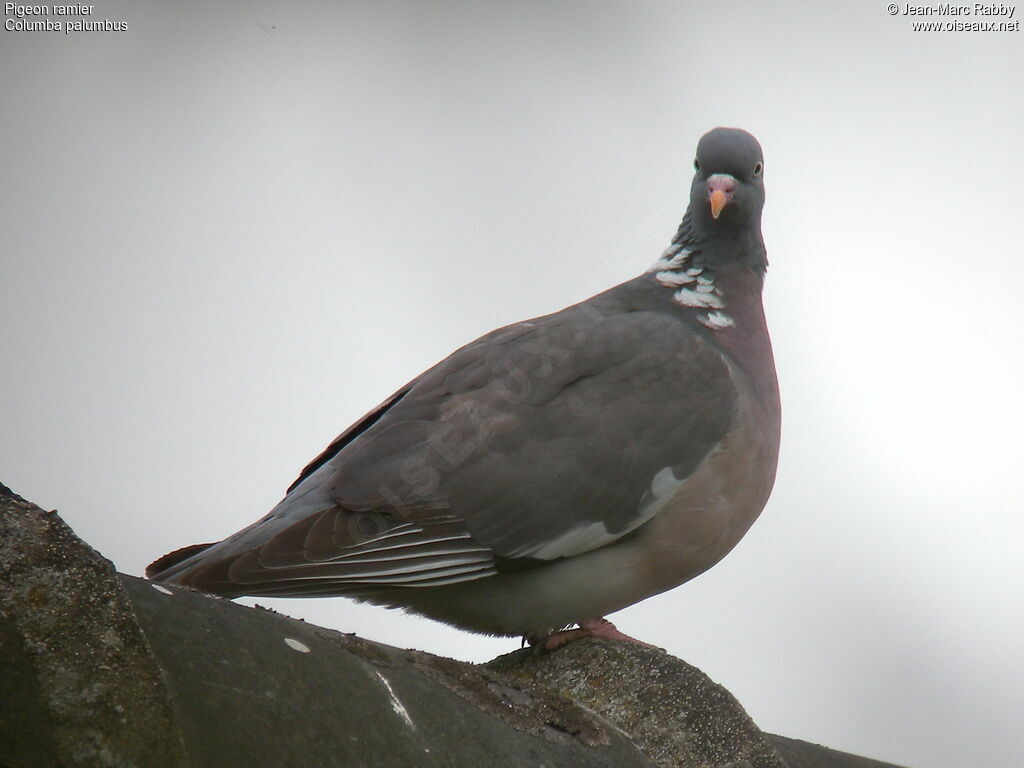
728	186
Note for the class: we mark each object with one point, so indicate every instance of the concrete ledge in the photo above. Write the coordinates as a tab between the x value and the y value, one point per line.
101	669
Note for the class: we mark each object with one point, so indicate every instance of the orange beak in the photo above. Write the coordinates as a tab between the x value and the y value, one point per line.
720	189
718	201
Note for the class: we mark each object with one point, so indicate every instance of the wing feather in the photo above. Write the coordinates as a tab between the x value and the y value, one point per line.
542	440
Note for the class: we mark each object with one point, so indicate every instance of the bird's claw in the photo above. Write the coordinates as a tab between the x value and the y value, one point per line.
598	628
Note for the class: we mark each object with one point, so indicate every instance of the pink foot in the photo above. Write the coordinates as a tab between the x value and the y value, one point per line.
600	628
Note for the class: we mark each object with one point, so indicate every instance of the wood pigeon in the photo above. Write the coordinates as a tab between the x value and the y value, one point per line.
557	469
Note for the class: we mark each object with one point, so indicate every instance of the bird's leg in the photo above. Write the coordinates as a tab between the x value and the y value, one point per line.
599	628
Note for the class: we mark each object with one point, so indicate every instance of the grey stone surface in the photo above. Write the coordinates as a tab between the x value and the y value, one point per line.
803	754
26	728
96	685
108	670
672	711
100	669
257	688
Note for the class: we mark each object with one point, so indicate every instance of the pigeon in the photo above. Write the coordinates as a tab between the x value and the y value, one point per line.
555	470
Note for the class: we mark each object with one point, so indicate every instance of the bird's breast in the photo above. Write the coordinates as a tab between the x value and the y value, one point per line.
708	513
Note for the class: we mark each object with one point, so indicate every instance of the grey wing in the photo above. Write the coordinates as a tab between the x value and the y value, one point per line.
542	440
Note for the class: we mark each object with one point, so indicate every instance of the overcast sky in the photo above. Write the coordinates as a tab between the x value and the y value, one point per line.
229	230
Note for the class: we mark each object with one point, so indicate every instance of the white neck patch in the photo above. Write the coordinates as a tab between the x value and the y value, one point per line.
695	286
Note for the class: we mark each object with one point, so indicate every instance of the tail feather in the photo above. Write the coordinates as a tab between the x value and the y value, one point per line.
165	567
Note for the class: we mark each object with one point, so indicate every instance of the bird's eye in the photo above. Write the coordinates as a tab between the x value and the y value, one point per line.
696	164
758	169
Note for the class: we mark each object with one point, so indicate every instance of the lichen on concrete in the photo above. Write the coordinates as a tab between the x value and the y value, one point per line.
98	681
105	670
519	702
670	709
333	699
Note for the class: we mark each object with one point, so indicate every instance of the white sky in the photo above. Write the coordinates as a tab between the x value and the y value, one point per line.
230	230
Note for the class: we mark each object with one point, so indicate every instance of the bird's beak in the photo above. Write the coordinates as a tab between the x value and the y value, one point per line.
720	189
